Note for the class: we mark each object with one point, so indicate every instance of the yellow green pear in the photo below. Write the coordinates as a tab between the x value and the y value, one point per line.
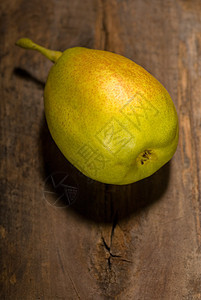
110	117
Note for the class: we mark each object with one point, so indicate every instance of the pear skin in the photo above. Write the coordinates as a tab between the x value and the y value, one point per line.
110	118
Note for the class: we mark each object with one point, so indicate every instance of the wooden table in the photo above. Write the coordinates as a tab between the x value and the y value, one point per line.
140	241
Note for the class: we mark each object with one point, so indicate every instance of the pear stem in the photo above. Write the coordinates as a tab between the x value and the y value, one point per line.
28	44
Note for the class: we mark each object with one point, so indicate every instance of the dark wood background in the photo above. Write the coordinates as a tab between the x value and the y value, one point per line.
141	241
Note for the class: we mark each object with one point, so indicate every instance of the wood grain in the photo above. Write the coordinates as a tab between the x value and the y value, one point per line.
141	241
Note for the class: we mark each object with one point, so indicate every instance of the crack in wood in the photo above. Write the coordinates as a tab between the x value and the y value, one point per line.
114	224
105	244
66	271
108	247
104	25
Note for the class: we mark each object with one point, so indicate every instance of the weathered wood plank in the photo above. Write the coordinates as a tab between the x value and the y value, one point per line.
141	241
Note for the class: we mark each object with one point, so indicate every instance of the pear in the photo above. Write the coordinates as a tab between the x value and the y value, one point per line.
109	117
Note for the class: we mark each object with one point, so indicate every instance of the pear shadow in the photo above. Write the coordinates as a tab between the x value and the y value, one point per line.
23	74
94	201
